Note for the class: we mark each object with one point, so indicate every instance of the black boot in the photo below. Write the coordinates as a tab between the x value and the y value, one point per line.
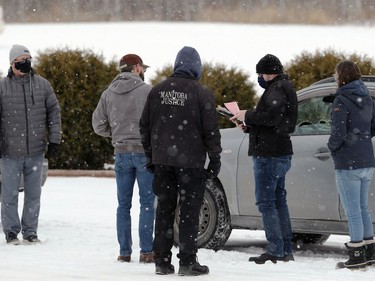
357	256
193	269
189	266
163	264
370	251
267	257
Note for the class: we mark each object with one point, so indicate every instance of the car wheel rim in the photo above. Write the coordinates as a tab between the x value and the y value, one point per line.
204	218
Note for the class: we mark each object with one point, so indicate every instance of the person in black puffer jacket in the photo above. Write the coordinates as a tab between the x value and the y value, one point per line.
269	126
179	128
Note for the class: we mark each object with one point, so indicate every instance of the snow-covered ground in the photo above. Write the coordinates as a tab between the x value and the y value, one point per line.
78	232
77	222
237	45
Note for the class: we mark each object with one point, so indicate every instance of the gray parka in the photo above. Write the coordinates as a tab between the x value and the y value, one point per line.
30	115
119	110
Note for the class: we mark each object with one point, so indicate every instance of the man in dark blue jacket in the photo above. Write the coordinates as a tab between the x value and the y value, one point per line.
179	128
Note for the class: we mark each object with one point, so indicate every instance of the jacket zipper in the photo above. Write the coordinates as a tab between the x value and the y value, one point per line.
27	118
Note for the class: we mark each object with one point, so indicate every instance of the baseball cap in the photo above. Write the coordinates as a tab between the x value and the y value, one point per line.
131	59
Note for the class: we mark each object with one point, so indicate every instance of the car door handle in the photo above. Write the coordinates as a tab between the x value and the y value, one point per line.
322	153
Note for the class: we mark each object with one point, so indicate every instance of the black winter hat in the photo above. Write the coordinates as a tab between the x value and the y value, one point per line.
269	64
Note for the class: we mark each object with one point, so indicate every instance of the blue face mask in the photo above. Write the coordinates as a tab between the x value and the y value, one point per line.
262	82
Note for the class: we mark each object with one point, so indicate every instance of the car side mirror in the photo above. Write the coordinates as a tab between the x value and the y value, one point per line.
329	99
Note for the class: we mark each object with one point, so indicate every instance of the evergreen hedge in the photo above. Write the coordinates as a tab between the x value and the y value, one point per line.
78	78
308	67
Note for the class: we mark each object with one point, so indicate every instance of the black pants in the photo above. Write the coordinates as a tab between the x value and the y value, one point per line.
187	184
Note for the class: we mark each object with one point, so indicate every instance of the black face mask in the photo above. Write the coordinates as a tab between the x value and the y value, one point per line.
262	82
23	66
142	75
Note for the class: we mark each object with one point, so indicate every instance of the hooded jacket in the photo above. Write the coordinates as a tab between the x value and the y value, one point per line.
273	119
353	125
30	115
119	110
179	125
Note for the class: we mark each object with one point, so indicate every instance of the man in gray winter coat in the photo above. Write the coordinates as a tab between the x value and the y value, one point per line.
29	111
117	116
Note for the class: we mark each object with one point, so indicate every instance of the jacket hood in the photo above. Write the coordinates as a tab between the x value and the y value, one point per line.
354	91
188	62
125	82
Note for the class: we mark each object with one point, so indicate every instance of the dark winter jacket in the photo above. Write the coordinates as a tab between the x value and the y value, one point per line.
353	124
119	110
179	123
29	112
273	119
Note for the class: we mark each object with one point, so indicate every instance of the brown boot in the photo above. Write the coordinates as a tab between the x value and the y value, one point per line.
123	258
146	257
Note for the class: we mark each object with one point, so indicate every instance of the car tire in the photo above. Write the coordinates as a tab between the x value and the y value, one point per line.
214	218
308	238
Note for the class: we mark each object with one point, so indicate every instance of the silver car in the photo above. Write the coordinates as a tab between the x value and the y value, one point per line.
313	200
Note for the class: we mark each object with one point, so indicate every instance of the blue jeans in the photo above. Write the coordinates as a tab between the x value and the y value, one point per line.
11	170
353	187
270	196
128	167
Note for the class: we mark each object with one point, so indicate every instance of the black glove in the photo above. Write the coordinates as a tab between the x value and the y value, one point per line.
53	150
149	166
213	168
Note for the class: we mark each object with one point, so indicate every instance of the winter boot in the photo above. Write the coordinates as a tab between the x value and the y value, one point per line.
163	264
193	269
164	269
11	238
189	266
357	256
267	257
370	251
146	257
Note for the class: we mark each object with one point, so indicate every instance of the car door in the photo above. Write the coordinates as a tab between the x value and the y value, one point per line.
311	185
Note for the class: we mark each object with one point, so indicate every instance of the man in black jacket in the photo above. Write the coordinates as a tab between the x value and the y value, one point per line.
179	128
269	126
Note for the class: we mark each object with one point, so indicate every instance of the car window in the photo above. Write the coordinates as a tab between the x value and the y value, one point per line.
313	117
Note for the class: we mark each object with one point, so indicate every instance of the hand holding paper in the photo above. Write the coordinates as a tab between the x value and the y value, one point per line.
238	119
240	116
233	112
